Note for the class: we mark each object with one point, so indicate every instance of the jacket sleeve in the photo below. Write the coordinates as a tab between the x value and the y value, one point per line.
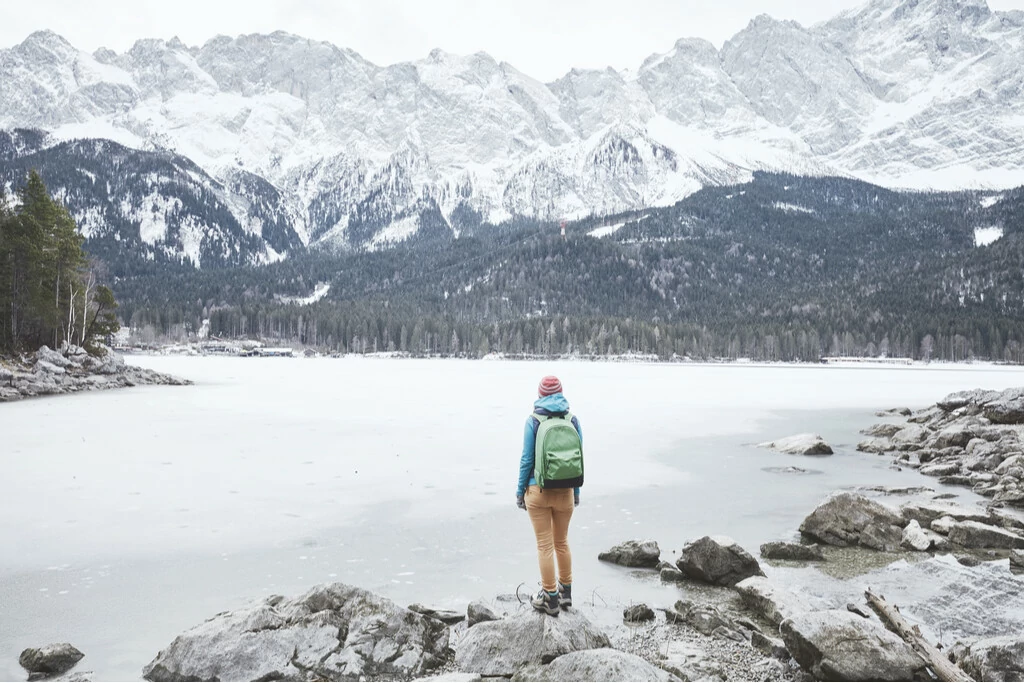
579	430
527	461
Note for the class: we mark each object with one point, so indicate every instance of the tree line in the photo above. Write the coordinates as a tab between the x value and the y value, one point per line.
50	292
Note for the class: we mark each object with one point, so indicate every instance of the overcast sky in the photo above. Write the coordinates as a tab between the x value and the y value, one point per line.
543	38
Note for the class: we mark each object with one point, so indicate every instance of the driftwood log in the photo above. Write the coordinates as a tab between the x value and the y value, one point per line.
944	669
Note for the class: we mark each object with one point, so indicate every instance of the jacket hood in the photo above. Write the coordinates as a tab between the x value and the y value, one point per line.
555	403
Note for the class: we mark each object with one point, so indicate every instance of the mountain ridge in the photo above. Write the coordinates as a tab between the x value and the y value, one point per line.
902	93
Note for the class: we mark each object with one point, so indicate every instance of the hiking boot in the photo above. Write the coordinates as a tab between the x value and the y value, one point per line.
546	602
565	595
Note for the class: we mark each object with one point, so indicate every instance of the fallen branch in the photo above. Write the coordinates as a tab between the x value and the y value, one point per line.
944	669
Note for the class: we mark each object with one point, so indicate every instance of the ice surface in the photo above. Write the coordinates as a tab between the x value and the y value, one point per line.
144	511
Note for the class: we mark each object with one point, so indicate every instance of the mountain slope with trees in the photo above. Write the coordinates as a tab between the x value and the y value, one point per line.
781	268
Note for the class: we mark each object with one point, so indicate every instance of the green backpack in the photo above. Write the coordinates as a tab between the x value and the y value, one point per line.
559	453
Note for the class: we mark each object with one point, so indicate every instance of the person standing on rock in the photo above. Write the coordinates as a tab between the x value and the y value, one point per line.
550	476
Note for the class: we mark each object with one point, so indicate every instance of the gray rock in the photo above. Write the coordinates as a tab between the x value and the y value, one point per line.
718	560
633	554
1005	410
940	469
1017	558
915	538
452	677
447	616
978	535
911	436
706	619
836	645
773	647
637	613
671	573
849	519
878	446
505	646
961	399
771	601
1011	462
48	355
332	632
478	612
905	412
49	368
926	513
800	444
955	435
49	660
595	665
995	659
778	550
882	429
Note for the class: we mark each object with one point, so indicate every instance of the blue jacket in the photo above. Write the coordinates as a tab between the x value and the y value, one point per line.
546	405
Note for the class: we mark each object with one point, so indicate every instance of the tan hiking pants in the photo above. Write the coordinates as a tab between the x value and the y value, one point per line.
550	512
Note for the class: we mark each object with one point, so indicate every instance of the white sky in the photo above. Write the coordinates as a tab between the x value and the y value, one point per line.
543	38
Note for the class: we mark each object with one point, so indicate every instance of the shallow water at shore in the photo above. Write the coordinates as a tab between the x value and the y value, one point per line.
271	475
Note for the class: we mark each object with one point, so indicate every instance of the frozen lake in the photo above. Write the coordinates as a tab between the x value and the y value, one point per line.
126	517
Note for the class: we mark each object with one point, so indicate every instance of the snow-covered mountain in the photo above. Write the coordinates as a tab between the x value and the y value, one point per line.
907	93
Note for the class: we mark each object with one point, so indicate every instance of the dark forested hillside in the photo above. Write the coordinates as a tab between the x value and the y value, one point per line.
781	268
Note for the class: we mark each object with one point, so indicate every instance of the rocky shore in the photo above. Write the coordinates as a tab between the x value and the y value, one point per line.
970	438
48	372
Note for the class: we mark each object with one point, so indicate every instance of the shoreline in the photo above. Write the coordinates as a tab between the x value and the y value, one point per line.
50	373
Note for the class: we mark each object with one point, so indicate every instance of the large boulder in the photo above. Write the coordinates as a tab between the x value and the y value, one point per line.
774	603
1008	409
995	659
49	660
633	554
778	550
800	444
836	645
595	665
850	519
978	535
883	429
48	355
504	647
333	632
718	560
961	399
911	437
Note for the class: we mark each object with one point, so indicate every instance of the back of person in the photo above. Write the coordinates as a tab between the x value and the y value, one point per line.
550	474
